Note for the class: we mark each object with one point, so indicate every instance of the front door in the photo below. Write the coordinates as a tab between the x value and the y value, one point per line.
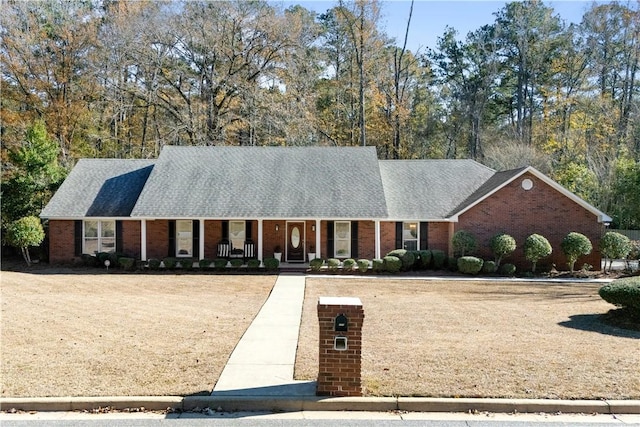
295	242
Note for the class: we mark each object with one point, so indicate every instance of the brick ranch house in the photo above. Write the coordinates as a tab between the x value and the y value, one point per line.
342	202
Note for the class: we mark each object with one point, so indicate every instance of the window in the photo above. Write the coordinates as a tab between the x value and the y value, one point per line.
237	234
184	238
410	236
342	239
99	236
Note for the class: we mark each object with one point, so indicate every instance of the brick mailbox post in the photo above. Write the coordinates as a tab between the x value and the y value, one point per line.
340	346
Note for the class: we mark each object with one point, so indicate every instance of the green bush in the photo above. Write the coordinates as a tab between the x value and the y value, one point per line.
204	263
535	248
102	257
573	246
220	263
425	259
89	260
623	293
348	264
489	267
170	263
463	242
439	258
470	265
416	260
154	264
502	245
452	263
333	264
127	263
392	264
377	265
316	264
614	246
271	264
236	262
363	265
23	233
406	257
253	264
507	269
186	263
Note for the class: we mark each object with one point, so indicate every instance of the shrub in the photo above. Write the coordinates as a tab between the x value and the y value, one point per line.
489	267
452	263
416	265
154	264
170	263
316	264
102	257
535	248
333	264
392	264
573	246
127	263
89	260
425	259
463	242
348	264
220	263
363	265
623	292
271	264
439	258
253	264
470	265
502	245
406	257
113	259
507	269
377	265
186	263
236	262
204	263
614	246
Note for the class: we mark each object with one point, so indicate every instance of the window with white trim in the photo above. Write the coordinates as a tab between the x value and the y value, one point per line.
184	238
237	234
99	236
342	239
410	236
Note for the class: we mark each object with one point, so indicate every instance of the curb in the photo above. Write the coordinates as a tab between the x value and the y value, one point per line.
313	403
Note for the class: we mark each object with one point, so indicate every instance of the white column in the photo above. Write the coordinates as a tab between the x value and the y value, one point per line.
260	239
201	238
377	227
143	239
318	240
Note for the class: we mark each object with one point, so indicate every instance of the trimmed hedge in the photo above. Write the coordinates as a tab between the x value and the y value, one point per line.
623	293
407	258
507	269
127	263
363	265
204	263
186	263
236	262
470	265
170	263
220	263
271	264
253	264
154	264
392	264
452	264
377	265
439	258
463	242
425	259
316	264
348	264
489	267
333	264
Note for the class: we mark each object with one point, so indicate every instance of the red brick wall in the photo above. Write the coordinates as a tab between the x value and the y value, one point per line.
439	236
157	239
131	240
339	372
387	237
541	210
61	241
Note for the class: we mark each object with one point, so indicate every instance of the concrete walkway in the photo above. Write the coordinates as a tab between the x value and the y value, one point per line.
263	361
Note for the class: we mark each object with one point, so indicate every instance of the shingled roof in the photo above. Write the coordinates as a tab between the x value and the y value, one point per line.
264	182
99	188
429	189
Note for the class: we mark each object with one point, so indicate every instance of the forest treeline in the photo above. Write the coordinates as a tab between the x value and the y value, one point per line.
110	78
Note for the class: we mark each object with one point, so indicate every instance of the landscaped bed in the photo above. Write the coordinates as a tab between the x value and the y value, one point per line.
481	339
87	332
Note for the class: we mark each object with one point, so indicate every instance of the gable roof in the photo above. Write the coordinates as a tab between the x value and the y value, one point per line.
429	189
99	188
264	182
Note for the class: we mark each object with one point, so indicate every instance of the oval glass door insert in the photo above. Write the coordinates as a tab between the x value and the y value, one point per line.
295	238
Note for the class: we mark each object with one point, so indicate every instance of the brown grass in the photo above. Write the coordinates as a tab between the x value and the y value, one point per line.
110	334
481	339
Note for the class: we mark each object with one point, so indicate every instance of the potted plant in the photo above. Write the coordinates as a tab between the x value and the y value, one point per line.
312	253
277	253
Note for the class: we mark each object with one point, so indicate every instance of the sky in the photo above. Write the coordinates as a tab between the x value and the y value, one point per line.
431	17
